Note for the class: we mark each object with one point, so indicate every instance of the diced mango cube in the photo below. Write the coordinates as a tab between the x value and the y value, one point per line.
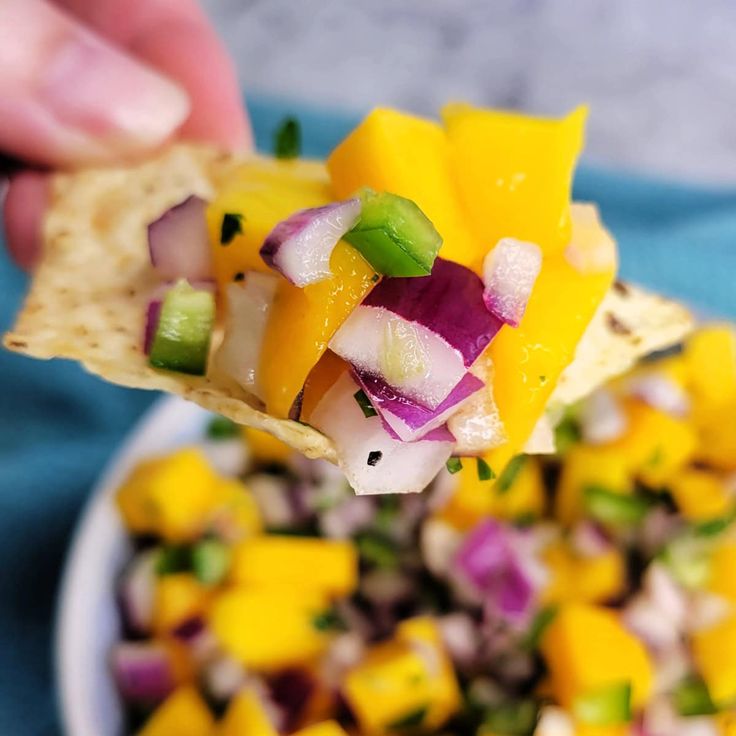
711	357
329	567
183	713
265	448
582	579
716	430
395	152
407	680
700	494
326	728
172	496
508	165
246	716
257	196
585	466
714	651
587	648
722	578
178	597
239	516
267	628
726	723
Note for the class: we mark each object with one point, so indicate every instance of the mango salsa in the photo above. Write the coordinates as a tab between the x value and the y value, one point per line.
396	152
245	716
183	713
514	172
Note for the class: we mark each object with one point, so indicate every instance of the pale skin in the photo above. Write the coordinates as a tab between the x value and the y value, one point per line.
99	81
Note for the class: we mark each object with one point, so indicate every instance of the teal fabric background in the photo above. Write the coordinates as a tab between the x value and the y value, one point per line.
58	426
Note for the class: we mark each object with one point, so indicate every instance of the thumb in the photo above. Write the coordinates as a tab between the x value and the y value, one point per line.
68	97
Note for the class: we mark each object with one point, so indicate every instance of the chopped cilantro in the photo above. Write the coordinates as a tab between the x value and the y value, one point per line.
287	140
174	558
567	433
413	719
232	225
377	549
485	472
538	626
364	403
508	476
454	465
328	620
692	698
222	428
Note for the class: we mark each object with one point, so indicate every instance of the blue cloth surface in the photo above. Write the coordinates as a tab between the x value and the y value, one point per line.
59	425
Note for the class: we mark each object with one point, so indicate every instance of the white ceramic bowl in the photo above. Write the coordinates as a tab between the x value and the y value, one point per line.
87	618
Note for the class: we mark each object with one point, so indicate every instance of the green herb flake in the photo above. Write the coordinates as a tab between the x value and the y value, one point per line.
413	719
174	558
210	561
232	225
222	428
365	404
287	140
513	718
691	698
485	472
378	550
567	434
713	527
328	620
609	706
510	473
540	623
454	465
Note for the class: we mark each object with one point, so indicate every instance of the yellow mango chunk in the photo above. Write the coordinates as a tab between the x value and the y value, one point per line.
262	192
587	465
711	358
582	579
265	448
656	444
722	579
183	713
474	499
396	152
239	515
714	651
528	360
267	628
700	495
589	729
178	597
172	496
716	433
726	723
326	566
587	648
514	172
326	728
246	716
302	322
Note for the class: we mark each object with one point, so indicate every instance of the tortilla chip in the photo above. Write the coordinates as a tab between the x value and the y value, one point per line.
89	295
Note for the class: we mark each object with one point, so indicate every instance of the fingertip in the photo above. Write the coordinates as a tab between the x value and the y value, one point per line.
24	207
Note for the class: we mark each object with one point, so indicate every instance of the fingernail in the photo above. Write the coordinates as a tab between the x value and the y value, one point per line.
108	96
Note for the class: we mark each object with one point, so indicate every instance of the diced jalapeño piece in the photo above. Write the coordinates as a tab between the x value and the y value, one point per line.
608	706
614	509
394	235
182	339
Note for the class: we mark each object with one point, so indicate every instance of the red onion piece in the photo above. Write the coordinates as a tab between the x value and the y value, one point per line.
509	273
300	247
589	540
249	303
179	244
419	334
137	591
409	420
460	636
601	418
488	560
143	671
371	459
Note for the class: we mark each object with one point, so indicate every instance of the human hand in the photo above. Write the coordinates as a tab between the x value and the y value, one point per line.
94	81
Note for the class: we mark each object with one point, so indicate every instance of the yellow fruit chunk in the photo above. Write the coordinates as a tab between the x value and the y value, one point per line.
514	172
183	713
325	566
271	627
246	716
656	444
711	358
714	651
406	681
716	430
584	466
582	579
172	496
587	648
178	597
722	579
322	377
474	499
260	194
528	360
700	494
265	448
302	322
726	723
239	515
327	728
588	729
395	152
